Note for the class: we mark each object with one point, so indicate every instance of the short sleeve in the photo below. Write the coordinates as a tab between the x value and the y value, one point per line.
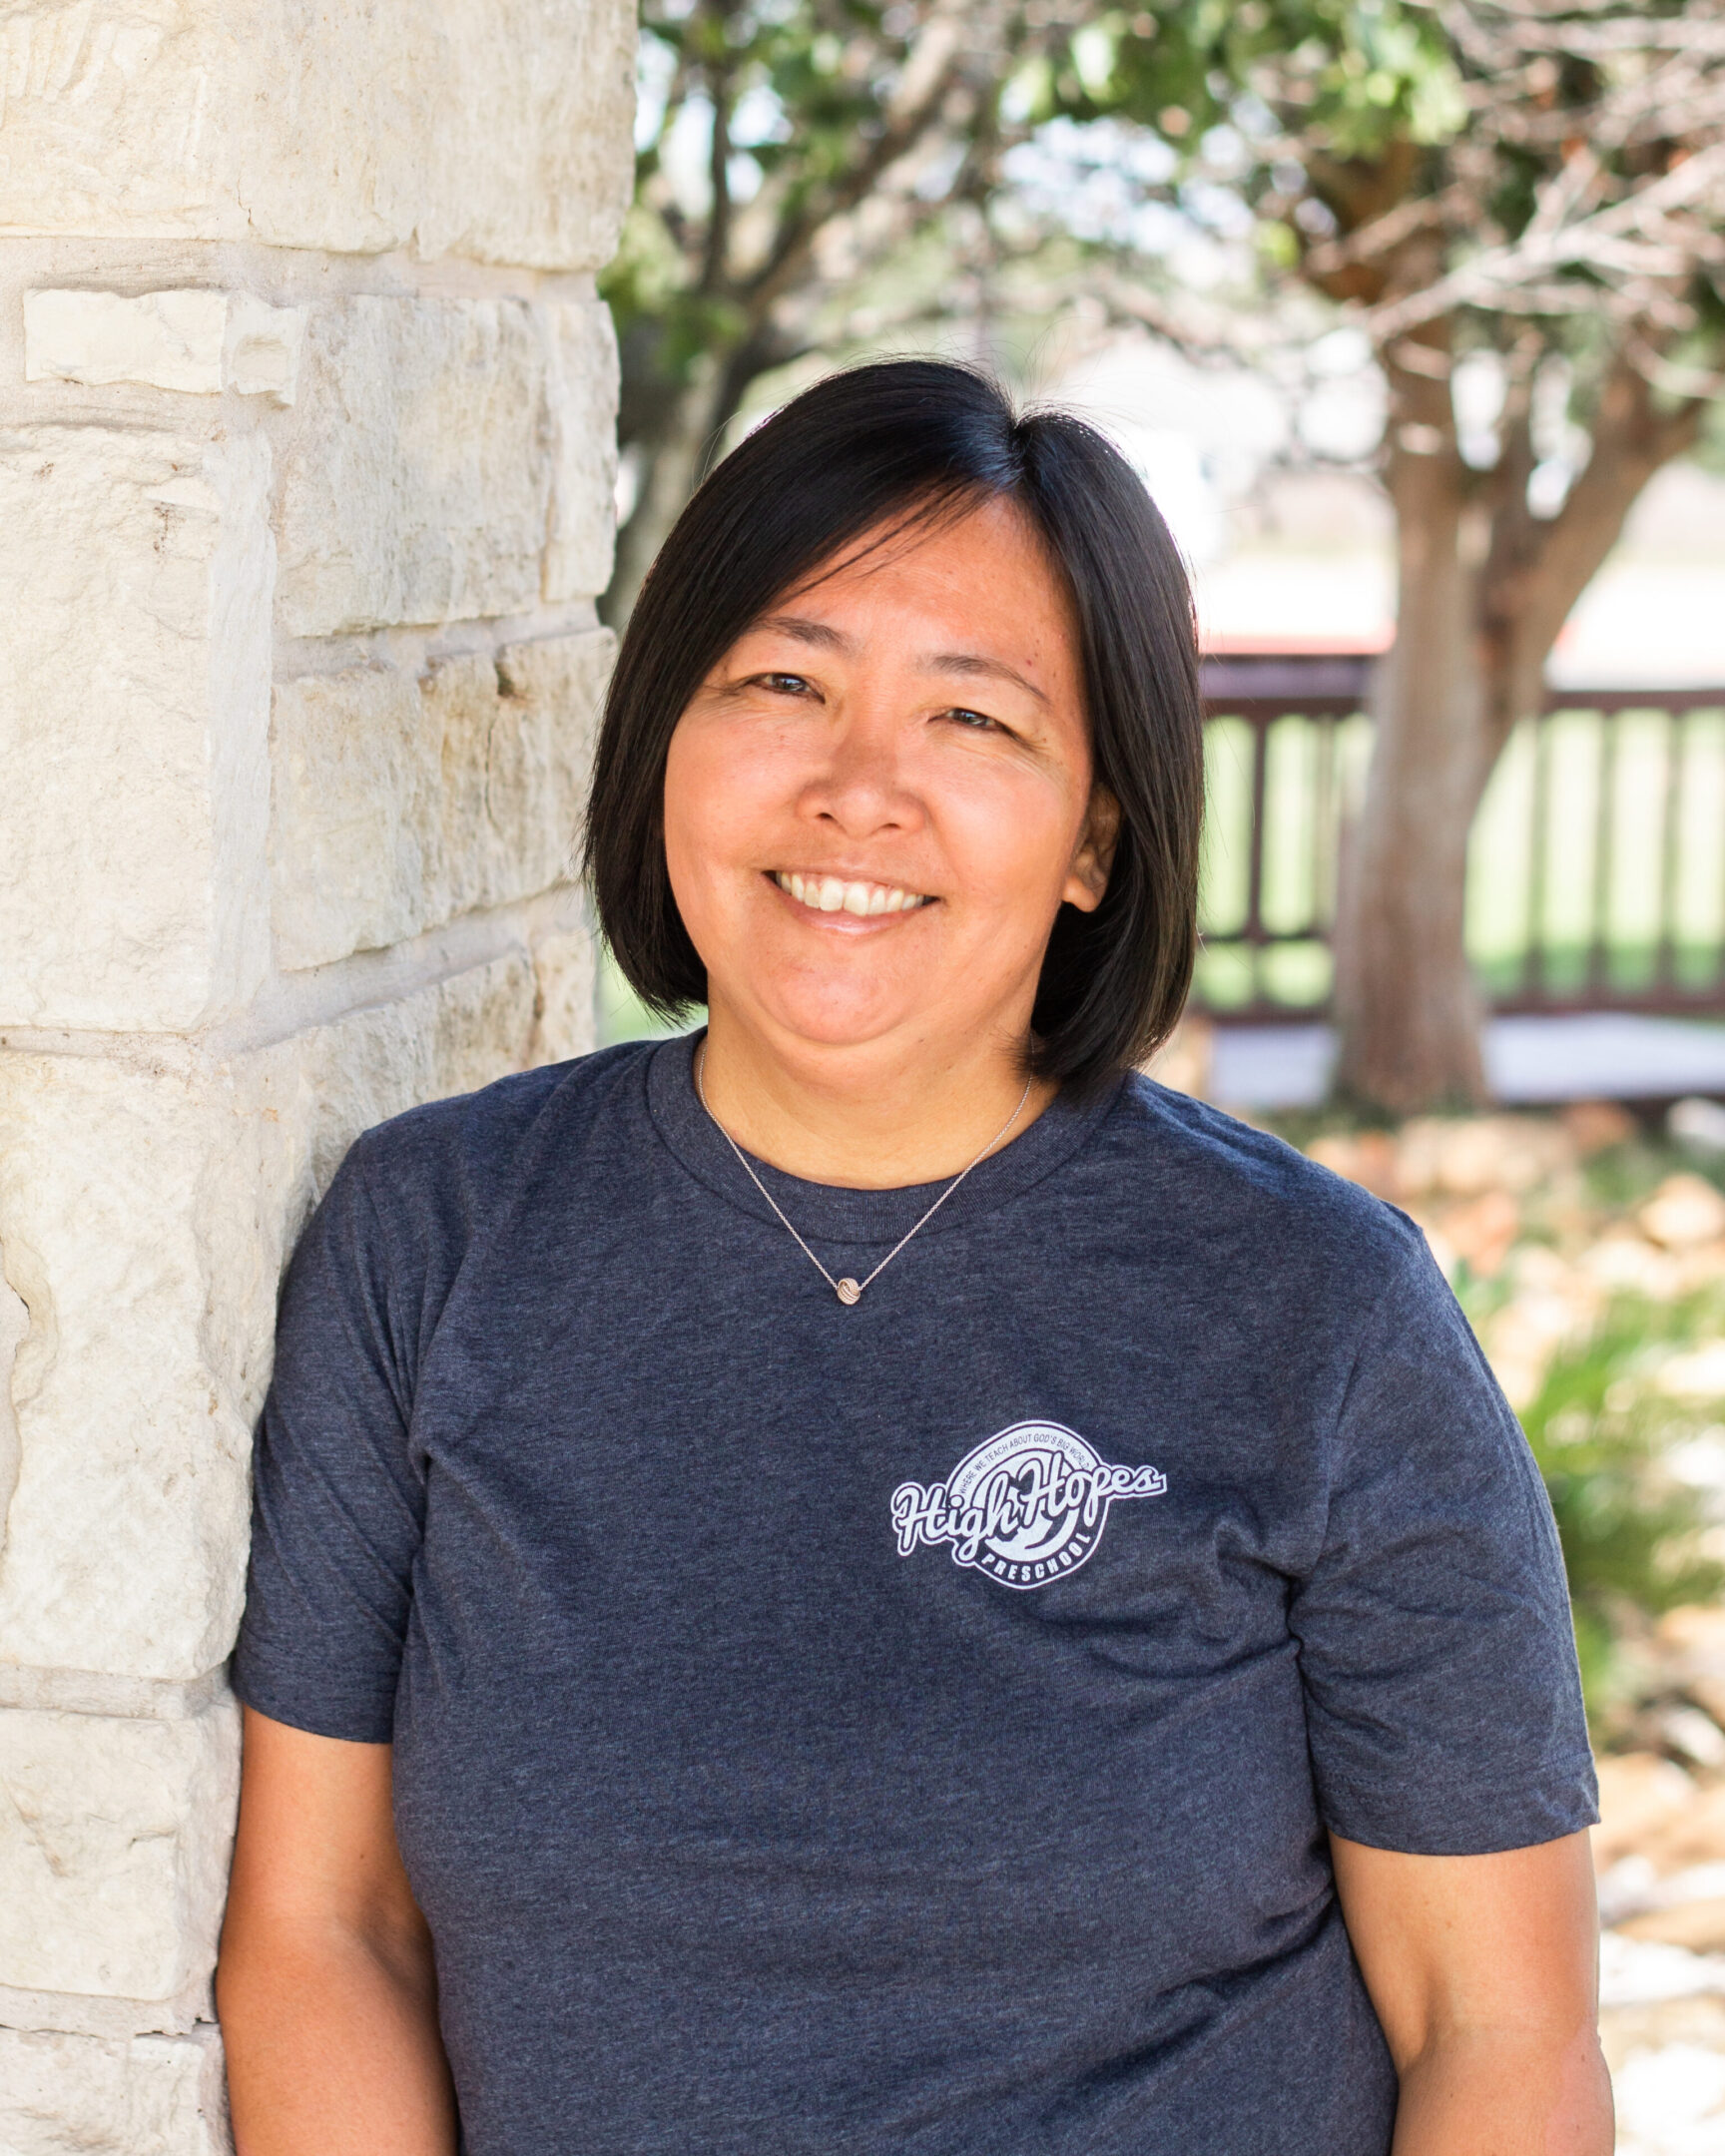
1444	1704
338	1504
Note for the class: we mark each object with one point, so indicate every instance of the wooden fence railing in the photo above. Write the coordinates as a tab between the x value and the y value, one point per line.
1596	873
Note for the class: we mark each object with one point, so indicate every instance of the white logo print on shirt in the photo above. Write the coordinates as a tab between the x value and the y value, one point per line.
1027	1506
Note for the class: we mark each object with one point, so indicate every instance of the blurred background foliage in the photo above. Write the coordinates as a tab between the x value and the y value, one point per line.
1519	204
821	177
1633	1534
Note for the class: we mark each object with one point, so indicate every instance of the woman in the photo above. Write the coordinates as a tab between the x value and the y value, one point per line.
865	1580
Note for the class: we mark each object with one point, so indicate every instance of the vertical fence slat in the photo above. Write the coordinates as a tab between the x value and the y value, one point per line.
1604	830
1678	734
1535	978
1253	937
1325	826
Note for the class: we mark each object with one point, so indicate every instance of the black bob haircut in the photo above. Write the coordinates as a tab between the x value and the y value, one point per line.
896	443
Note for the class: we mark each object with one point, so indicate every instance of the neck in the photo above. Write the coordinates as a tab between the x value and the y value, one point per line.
862	1119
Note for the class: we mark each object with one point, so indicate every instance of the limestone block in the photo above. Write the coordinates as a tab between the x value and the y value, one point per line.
582	348
14	1323
517	749
140	1220
398	803
170	339
194	341
564	968
355	812
134	726
455	458
142	2096
418	488
452	1038
114	1844
260	347
497	129
146	1208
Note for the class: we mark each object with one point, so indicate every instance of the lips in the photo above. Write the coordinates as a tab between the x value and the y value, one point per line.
842	894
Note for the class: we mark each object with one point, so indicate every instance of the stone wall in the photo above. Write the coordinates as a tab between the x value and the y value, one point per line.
306	433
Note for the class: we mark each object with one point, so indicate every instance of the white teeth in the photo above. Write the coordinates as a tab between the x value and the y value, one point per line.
831	894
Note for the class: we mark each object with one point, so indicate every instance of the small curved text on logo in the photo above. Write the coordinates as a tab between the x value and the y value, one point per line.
1027	1506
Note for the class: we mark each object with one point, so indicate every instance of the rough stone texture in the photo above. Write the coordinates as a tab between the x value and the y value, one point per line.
401	803
355	818
298	341
81	2096
146	1209
114	1839
171	339
563	967
581	348
195	340
134	703
14	1323
445	468
105	2013
92	1692
495	129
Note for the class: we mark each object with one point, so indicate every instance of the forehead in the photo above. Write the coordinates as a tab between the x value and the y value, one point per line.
989	560
984	577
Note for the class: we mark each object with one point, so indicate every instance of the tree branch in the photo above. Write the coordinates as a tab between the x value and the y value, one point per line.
928	74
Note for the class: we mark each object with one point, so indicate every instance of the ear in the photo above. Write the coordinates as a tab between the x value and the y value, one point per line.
1087	877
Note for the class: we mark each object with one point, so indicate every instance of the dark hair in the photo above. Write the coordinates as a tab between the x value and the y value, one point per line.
900	440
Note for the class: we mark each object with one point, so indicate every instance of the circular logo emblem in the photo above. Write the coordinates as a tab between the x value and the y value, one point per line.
1027	1506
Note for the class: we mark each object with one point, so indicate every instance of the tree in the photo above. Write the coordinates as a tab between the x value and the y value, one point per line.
790	147
1524	194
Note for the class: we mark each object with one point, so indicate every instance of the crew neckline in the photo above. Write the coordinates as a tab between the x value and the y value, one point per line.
834	1212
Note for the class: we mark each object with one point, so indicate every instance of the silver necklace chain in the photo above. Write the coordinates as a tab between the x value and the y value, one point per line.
848	1291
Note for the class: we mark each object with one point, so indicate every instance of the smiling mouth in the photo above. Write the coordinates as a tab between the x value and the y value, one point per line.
838	895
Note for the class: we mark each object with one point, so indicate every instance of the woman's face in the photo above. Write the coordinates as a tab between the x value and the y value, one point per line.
881	793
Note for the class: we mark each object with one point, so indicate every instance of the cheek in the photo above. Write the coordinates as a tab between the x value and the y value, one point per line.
709	800
1010	835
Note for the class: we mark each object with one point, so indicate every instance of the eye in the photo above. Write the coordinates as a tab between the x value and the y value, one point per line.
979	722
785	684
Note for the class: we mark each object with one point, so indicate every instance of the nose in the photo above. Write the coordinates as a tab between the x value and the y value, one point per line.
863	789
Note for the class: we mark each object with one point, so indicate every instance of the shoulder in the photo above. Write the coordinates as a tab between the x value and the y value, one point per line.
456	1158
1246	1189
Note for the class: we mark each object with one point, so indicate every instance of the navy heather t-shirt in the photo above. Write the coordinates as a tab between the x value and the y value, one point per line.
907	1730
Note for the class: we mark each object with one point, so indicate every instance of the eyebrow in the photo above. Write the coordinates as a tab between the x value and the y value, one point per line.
973	662
807	632
966	665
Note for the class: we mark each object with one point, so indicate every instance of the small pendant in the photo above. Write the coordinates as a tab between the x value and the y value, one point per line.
848	1291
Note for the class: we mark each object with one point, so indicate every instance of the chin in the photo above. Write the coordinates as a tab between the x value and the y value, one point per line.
840	1017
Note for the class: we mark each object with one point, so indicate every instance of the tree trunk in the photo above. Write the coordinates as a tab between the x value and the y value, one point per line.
1483	590
1405	999
673	458
686	438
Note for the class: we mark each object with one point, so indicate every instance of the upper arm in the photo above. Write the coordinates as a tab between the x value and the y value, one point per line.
1443	1703
315	1848
1452	1944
